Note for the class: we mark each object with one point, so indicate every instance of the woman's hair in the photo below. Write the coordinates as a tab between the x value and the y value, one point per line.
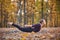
41	21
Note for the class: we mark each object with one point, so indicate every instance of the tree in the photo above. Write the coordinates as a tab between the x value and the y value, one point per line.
6	9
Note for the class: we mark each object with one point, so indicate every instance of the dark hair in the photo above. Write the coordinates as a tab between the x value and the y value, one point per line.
41	21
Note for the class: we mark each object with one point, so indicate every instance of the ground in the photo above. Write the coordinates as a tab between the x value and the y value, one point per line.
44	34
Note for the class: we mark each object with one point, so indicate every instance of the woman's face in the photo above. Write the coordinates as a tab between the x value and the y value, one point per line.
43	22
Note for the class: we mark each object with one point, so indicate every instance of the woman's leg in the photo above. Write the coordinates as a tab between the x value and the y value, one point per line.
24	29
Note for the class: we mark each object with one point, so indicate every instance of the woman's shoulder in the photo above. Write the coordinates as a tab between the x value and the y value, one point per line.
36	25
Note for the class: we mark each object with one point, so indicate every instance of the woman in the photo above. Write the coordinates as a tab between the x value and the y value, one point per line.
34	28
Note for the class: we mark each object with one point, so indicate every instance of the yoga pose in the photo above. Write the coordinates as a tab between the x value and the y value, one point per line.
34	27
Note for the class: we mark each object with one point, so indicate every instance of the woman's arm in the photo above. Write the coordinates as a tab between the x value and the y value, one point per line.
28	25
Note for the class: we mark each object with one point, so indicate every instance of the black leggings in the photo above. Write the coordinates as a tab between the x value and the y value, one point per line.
24	29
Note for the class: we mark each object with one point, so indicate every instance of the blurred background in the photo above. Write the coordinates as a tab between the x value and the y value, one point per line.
28	12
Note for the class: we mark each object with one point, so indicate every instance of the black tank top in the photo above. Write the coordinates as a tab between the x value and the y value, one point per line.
36	27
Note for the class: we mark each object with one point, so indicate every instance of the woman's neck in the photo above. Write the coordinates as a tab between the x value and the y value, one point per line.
41	24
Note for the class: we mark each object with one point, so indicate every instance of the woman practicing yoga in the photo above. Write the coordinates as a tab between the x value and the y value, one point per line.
34	27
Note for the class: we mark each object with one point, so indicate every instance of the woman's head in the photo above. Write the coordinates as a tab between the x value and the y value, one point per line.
42	21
